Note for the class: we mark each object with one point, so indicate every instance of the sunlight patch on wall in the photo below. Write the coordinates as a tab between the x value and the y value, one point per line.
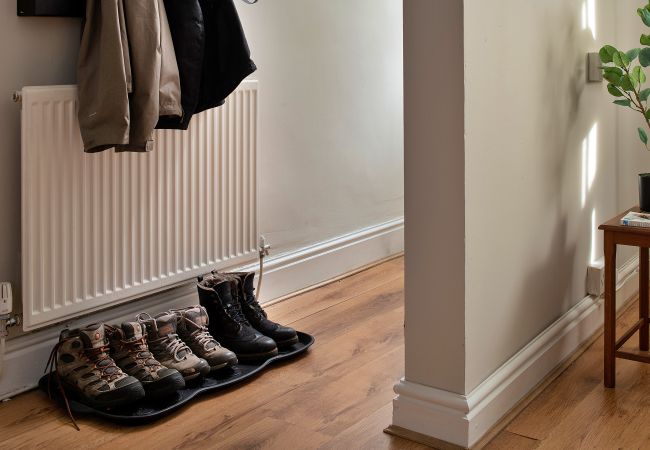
594	237
589	163
589	16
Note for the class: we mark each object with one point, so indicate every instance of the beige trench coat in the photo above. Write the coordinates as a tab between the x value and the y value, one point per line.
127	74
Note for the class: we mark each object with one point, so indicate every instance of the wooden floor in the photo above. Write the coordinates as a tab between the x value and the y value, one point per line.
577	412
338	396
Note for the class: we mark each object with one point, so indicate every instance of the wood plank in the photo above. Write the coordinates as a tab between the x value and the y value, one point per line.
358	323
508	440
581	378
312	302
577	411
368	434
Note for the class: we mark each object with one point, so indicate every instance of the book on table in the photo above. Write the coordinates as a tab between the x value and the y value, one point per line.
636	219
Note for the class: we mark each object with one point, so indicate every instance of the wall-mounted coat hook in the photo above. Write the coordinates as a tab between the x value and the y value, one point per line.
59	8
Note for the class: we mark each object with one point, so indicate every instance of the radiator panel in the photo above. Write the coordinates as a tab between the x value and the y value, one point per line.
101	229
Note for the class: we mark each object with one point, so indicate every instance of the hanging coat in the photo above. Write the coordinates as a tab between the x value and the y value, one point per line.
188	34
224	62
127	74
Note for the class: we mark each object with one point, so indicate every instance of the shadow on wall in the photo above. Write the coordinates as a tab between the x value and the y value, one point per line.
566	128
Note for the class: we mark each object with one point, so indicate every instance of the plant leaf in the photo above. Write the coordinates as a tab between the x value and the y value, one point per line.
623	103
612	74
632	54
644	94
627	83
644	57
647	114
645	16
638	75
614	90
645	39
606	53
643	136
616	58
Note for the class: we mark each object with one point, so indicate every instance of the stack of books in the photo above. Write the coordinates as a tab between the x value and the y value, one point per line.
636	219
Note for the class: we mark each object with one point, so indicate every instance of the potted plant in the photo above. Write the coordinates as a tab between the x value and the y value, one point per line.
625	82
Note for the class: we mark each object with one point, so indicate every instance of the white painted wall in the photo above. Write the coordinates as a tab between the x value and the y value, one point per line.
633	159
435	197
331	114
533	199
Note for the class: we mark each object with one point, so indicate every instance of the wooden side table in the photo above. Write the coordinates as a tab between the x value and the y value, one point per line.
617	234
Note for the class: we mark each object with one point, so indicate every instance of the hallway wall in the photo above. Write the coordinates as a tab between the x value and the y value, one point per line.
541	168
331	114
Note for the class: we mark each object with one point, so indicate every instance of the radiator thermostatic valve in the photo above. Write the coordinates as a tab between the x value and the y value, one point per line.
6	299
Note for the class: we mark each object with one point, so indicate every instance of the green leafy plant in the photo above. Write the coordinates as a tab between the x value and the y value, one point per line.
626	78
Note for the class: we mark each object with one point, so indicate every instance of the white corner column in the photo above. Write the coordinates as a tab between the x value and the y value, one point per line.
431	401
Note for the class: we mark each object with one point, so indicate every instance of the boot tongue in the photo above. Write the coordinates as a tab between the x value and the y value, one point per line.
166	324
198	316
225	294
132	330
94	335
248	279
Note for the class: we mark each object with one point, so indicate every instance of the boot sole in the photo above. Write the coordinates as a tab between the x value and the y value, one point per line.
203	369
242	357
225	365
287	343
130	394
165	386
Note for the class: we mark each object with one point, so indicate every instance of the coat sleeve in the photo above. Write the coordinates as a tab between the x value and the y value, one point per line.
102	78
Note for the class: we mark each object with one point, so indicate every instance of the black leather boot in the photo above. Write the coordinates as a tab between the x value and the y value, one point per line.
228	324
283	336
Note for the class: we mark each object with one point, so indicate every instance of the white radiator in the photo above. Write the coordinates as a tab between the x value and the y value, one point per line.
101	229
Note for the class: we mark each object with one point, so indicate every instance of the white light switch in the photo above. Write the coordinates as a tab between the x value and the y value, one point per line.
6	299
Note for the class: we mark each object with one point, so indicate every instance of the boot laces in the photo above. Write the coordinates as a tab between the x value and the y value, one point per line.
234	310
140	352
252	302
102	362
203	337
173	345
53	367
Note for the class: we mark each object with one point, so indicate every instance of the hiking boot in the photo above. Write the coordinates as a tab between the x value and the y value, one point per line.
283	336
193	330
86	371
131	353
228	323
169	349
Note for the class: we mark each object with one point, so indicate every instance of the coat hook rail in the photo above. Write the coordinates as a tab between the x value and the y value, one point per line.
60	8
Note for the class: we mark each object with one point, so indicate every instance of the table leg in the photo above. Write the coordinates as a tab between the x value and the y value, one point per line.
644	299
610	310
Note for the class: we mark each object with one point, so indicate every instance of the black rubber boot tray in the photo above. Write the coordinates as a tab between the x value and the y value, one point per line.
147	410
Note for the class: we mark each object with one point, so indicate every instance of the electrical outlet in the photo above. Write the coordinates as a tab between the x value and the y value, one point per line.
6	299
596	278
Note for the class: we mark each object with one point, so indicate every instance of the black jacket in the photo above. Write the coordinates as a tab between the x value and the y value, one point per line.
212	54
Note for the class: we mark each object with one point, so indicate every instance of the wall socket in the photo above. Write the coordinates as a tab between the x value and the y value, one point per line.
6	299
596	278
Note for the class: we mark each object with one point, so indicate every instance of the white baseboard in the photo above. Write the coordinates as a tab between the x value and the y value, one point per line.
290	272
463	419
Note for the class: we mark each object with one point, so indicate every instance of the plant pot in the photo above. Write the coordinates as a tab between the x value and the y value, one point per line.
644	192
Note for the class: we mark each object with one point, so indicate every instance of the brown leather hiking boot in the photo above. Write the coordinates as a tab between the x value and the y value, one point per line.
169	349
193	330
87	372
130	351
283	336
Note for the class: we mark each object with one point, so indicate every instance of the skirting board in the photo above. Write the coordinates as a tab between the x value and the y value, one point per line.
290	272
462	420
